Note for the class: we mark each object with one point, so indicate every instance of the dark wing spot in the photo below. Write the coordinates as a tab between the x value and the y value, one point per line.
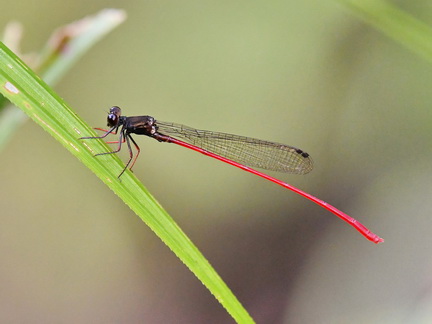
304	154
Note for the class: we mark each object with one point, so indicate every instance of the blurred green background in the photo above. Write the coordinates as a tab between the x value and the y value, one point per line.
307	74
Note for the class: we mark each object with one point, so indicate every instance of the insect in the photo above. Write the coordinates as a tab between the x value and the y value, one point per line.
248	151
243	152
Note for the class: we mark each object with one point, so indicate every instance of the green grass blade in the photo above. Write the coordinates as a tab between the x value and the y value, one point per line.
27	91
395	23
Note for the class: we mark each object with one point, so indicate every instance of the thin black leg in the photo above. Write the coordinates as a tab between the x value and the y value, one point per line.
104	135
138	151
127	137
120	141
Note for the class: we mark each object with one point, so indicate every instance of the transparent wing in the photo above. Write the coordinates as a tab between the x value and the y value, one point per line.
245	150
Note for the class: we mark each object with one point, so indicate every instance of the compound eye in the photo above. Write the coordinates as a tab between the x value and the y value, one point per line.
112	120
114	116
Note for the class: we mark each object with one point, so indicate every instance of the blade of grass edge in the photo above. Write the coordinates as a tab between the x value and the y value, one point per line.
27	91
395	23
55	61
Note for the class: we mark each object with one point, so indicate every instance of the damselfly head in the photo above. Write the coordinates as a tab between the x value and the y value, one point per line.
114	116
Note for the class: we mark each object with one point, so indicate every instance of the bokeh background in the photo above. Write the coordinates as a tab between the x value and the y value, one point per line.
305	73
